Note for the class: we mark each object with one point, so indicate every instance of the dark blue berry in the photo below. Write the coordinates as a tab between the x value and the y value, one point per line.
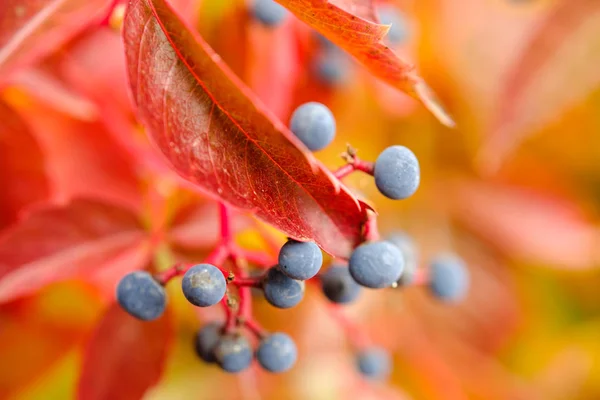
206	340
376	264
141	295
204	285
374	363
331	68
389	15
314	124
300	260
449	278
338	285
233	353
269	12
281	290
277	352
397	173
409	251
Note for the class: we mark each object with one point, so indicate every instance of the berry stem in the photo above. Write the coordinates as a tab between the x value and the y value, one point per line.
225	220
253	326
251	282
230	319
353	164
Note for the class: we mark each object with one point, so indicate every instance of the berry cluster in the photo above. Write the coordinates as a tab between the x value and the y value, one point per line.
374	264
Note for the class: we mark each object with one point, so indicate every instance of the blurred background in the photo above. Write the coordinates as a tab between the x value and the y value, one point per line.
514	190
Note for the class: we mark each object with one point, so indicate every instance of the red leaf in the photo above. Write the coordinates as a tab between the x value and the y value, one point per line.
57	243
530	225
32	29
23	179
352	25
216	134
555	70
82	159
125	356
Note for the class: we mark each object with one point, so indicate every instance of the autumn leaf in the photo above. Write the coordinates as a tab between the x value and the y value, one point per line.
72	241
528	224
555	71
218	135
23	178
32	29
124	357
353	26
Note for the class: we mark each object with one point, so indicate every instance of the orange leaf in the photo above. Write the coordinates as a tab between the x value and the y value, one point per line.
352	25
124	357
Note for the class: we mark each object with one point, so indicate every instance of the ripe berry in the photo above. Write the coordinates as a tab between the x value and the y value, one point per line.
338	285
277	353
389	15
233	353
281	290
203	285
206	340
409	251
449	278
331	67
397	173
141	295
314	124
374	363
268	12
300	260
376	264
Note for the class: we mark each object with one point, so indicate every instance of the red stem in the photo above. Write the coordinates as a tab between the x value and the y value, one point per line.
248	282
225	219
421	277
370	229
230	319
254	327
355	165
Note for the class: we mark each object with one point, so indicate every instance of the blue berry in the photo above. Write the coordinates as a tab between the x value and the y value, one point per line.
449	278
338	285
281	290
331	68
233	353
389	15
141	295
376	264
314	124
300	260
269	12
206	340
204	285
277	353
397	172
374	363
409	251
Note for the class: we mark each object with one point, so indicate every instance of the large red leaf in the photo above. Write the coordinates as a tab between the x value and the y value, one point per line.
82	159
32	29
555	71
530	225
23	179
218	135
58	243
125	356
352	25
